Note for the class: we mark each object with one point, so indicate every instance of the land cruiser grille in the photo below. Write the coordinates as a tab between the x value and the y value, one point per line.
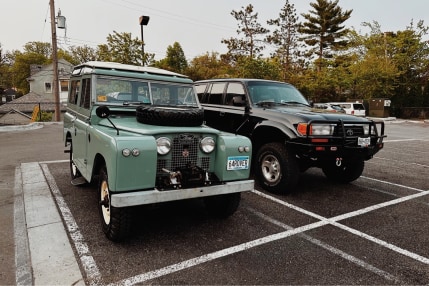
351	131
184	152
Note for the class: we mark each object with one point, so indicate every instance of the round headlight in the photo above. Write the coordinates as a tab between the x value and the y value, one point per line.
135	152
207	144
163	145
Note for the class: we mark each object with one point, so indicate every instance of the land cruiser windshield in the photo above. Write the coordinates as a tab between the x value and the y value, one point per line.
261	92
130	91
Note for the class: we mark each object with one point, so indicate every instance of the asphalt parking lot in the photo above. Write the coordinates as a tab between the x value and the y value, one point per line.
373	231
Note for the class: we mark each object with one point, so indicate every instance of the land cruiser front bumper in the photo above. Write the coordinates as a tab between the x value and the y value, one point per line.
347	139
156	196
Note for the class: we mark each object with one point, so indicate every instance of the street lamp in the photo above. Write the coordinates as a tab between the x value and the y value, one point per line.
143	20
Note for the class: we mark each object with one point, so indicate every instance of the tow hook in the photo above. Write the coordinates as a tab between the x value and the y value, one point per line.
338	162
175	177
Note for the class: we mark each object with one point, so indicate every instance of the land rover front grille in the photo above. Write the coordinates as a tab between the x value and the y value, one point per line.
184	152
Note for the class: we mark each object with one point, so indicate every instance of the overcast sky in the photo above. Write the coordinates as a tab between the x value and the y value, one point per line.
197	25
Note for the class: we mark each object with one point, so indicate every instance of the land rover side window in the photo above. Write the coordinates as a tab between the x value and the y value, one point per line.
74	91
216	91
85	98
235	94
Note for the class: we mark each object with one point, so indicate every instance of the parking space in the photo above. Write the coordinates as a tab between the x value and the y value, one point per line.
372	231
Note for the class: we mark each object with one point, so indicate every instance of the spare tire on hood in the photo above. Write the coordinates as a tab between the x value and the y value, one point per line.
169	116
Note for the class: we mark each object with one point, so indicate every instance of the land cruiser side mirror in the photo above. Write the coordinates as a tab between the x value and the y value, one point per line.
238	100
102	111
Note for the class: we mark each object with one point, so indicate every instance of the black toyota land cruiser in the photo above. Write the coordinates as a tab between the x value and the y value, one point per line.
288	136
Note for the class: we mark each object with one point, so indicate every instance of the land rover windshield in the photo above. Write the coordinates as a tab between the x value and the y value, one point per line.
120	91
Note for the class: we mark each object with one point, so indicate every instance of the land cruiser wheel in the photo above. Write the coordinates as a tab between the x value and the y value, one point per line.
222	206
347	172
276	171
116	222
74	172
169	116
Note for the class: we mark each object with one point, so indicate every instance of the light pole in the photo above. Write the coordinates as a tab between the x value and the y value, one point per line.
143	20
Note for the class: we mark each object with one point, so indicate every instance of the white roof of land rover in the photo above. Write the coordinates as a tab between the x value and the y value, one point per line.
124	67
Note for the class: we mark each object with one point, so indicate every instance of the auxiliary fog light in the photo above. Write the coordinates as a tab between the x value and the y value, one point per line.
126	152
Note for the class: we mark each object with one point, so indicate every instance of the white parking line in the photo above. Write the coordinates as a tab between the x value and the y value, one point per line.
82	249
331	249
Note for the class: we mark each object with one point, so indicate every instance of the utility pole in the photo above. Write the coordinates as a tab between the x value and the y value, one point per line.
55	62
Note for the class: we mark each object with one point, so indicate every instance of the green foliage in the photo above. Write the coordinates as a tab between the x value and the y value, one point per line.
45	116
175	60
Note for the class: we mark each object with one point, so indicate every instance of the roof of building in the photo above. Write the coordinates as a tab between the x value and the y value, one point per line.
27	102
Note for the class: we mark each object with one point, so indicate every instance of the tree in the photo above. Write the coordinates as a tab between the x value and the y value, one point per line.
284	38
82	54
251	45
121	48
324	29
175	60
208	66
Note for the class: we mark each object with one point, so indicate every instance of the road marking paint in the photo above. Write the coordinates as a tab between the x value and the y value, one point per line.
402	162
330	248
333	221
217	254
403	140
392	184
87	260
91	268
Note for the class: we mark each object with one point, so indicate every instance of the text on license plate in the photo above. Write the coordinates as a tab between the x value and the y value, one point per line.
237	163
364	142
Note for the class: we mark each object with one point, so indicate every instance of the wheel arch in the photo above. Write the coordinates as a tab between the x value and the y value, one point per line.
267	132
99	162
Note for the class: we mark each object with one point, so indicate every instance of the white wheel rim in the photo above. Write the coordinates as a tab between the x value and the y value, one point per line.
104	190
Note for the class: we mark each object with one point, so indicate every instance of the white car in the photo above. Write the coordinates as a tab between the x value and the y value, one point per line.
352	108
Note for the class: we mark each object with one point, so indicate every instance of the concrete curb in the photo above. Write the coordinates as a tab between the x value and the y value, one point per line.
52	259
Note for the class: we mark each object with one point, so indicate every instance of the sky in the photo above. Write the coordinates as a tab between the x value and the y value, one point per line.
197	25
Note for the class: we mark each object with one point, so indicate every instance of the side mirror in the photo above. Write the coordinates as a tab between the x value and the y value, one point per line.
238	100
102	111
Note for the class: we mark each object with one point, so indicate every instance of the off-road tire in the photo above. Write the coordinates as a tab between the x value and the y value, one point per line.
349	171
169	116
115	222
277	171
222	206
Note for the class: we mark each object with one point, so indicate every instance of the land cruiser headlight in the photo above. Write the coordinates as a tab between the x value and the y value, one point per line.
163	145
322	129
315	129
207	145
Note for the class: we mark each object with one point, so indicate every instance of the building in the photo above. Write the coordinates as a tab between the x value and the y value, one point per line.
20	110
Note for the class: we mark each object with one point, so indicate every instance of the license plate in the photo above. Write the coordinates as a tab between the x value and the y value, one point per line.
237	163
364	142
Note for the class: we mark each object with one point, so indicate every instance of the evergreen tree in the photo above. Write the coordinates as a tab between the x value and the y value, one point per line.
251	45
284	38
324	29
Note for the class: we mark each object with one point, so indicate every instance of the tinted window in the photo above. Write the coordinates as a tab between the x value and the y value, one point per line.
200	89
234	93
216	91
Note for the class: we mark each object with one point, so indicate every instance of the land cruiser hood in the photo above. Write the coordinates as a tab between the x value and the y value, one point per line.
295	114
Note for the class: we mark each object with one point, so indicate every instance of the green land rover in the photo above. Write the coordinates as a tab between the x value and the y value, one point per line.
138	134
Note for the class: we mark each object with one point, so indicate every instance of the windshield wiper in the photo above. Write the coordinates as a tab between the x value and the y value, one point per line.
134	103
294	102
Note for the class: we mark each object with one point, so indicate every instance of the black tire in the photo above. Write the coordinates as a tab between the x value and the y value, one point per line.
115	222
348	171
277	171
222	206
169	116
74	171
